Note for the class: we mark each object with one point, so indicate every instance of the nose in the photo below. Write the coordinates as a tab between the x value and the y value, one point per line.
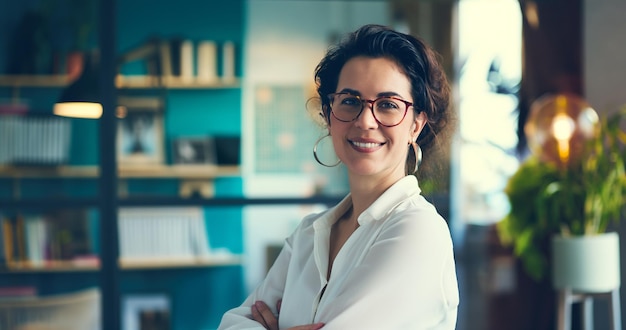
366	119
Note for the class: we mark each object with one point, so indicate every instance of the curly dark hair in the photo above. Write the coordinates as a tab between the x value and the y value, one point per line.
420	63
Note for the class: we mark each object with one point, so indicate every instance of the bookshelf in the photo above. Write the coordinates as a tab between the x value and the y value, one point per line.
221	274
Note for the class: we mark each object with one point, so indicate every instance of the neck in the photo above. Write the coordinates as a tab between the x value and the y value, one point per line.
364	191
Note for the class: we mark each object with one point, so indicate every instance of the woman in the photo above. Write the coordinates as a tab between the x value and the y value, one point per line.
382	258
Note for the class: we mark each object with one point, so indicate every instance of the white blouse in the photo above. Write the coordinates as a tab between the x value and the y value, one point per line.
396	271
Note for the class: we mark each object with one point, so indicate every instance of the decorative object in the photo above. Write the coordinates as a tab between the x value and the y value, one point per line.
228	61
140	131
194	150
207	61
581	194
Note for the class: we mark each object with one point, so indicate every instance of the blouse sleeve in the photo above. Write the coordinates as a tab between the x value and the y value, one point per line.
407	280
270	291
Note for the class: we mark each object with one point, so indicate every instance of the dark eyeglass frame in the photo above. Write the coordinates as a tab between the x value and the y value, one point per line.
331	97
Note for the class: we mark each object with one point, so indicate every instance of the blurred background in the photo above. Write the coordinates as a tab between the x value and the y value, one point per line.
165	208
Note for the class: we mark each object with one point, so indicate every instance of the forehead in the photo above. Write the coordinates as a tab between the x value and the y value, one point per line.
371	76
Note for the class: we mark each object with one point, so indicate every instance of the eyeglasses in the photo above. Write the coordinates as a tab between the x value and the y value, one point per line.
388	111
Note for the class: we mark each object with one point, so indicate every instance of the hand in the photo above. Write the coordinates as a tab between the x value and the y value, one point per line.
264	315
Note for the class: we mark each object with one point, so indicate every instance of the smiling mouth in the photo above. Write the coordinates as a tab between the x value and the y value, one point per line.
366	145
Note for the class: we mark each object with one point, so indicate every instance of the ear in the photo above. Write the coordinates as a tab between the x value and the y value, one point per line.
418	124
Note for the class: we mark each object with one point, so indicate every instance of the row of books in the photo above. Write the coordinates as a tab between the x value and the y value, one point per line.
163	233
39	240
185	59
145	234
34	140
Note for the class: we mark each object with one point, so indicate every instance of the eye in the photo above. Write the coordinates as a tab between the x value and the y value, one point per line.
387	104
351	101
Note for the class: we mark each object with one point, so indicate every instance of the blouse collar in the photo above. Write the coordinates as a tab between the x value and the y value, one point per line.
394	195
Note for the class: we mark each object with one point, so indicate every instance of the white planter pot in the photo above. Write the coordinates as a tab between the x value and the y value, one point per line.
586	263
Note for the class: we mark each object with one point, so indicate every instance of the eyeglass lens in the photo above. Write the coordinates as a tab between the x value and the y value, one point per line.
388	111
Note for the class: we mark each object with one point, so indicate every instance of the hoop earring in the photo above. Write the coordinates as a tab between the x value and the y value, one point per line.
315	153
417	151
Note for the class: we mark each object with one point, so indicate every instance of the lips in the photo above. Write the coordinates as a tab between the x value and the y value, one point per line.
365	145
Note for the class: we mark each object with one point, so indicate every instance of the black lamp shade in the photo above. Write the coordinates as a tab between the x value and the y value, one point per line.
81	98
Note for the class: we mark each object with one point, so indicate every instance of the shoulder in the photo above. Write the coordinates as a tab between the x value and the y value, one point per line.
419	220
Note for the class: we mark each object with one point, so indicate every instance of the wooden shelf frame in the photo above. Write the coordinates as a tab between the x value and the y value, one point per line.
217	260
44	81
124	171
121	82
172	201
171	82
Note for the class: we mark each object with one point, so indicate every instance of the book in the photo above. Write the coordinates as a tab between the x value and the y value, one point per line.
36	233
3	241
20	239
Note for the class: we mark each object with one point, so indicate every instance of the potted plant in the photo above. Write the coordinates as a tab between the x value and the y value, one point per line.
558	195
72	24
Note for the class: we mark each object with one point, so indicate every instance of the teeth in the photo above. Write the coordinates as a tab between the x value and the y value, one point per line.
365	145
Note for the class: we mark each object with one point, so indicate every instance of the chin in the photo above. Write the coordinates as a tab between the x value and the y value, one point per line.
365	168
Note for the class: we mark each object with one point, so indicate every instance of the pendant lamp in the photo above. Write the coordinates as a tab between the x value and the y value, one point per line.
81	98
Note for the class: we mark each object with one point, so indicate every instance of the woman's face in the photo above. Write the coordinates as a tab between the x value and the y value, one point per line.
366	147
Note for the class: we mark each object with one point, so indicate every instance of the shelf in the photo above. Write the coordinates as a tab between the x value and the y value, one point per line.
228	201
163	263
178	171
144	82
122	82
53	267
125	171
49	203
139	264
170	201
34	80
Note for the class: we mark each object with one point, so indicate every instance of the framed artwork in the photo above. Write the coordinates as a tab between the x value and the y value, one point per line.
140	131
146	311
194	150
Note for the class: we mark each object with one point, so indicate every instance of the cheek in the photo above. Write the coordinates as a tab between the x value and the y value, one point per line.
336	127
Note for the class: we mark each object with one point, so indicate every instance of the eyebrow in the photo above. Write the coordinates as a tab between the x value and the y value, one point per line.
357	93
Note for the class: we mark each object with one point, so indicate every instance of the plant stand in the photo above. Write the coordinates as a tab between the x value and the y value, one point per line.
567	297
584	268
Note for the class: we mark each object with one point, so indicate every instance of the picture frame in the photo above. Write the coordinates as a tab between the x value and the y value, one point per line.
140	131
228	150
194	151
146	311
